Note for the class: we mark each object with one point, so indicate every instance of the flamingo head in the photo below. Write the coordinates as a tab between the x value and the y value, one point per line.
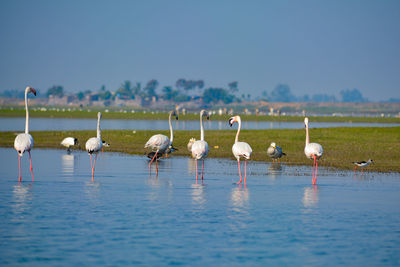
30	90
204	113
173	113
305	121
234	119
273	144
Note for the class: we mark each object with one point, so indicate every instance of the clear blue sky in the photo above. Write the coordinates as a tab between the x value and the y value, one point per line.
313	46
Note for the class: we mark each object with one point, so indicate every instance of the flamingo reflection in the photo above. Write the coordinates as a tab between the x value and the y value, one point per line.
310	197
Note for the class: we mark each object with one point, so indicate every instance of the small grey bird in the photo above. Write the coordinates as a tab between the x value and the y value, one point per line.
275	152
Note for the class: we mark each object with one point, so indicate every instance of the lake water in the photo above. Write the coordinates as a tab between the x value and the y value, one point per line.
127	217
49	124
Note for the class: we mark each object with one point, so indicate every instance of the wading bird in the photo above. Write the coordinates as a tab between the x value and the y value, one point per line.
240	149
159	143
69	142
362	164
24	141
275	152
94	145
312	151
200	147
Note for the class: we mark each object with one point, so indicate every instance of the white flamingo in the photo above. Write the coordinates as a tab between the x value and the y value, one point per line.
69	142
24	141
200	147
240	149
312	151
159	142
94	145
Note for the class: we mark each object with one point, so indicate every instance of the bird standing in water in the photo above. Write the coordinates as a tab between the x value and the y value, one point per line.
312	151
362	164
275	152
24	141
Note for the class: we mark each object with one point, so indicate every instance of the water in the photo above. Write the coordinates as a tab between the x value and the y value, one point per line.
49	124
127	217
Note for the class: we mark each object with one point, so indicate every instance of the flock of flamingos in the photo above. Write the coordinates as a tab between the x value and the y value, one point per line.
161	144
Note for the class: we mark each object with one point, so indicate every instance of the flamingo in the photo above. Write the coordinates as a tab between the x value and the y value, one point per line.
200	147
312	151
68	142
24	141
275	152
240	149
159	142
94	144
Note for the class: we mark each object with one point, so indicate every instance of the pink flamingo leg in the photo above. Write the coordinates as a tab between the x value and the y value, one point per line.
19	165
94	164
313	173
245	170
240	174
202	169
196	171
151	161
30	162
316	171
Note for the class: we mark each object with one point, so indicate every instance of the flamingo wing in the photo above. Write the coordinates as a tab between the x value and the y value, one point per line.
23	142
241	149
200	149
93	145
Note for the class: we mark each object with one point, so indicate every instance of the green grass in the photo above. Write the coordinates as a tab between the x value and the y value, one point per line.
140	115
341	145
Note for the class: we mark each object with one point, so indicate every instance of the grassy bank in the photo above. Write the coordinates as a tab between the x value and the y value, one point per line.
140	115
341	145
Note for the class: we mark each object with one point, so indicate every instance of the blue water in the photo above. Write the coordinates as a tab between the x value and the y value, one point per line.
49	124
127	217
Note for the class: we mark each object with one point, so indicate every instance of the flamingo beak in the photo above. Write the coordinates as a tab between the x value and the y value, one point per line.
33	91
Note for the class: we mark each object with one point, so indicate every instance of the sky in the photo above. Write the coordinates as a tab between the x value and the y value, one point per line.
312	46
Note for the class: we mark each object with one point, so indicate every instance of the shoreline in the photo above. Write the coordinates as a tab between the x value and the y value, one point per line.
341	145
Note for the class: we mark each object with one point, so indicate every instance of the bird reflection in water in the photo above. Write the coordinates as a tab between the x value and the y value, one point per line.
310	197
198	198
191	166
274	170
239	203
22	196
68	163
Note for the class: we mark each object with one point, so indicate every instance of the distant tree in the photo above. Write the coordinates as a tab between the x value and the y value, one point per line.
233	87
180	84
352	96
169	93
55	90
13	94
217	94
150	88
125	91
137	90
282	93
80	95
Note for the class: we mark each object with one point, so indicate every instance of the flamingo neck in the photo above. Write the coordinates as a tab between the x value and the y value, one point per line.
27	112
170	128
307	136
98	128
201	127
238	131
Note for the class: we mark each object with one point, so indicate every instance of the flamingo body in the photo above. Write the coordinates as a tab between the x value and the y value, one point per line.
23	142
200	149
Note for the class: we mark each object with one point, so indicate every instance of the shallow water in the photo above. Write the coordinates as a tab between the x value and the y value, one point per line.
49	124
128	217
